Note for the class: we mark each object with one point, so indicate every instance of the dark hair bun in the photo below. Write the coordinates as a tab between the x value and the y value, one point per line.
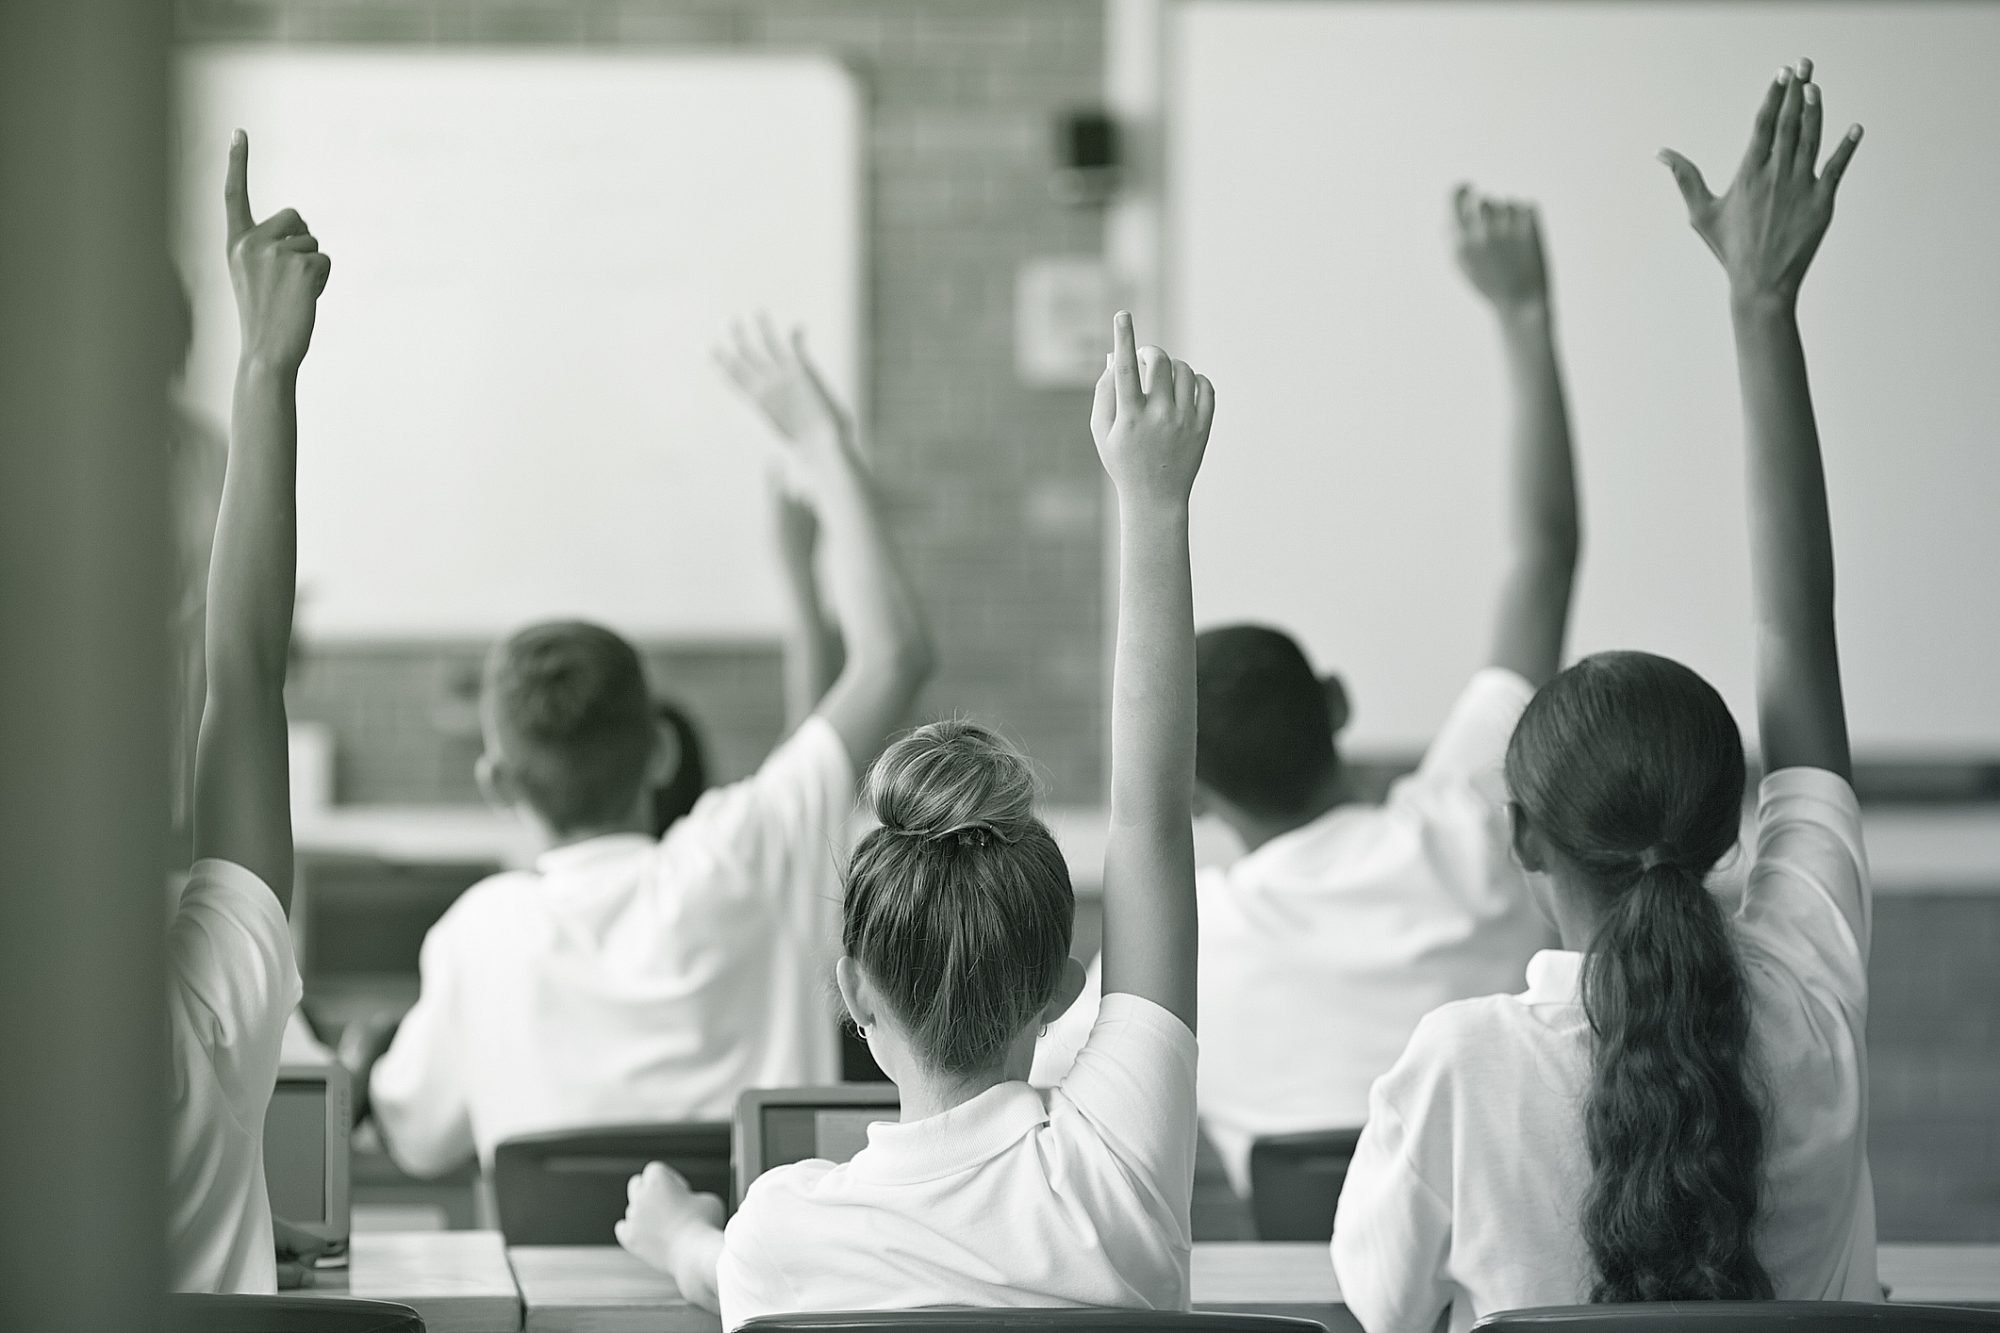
953	780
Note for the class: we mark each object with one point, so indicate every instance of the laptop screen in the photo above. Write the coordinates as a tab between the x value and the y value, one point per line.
835	1133
295	1150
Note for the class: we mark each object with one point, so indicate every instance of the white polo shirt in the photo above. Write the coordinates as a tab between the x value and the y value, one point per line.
1074	1196
1322	948
231	985
1467	1188
628	979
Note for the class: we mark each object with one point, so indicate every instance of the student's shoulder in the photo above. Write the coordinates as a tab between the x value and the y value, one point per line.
787	1201
1457	1036
494	901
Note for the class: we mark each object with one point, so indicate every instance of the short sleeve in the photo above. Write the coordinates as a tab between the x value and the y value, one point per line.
748	1283
1134	1081
230	964
417	1091
789	824
1392	1228
1807	901
1471	747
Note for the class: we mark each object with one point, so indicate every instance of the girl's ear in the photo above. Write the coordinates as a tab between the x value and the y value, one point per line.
1068	987
496	784
1527	845
854	992
666	760
1337	706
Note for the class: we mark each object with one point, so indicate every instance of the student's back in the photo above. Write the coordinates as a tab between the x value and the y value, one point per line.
1477	1167
626	978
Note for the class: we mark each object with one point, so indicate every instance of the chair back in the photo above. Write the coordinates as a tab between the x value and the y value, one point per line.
188	1312
567	1187
1295	1182
1029	1321
1744	1317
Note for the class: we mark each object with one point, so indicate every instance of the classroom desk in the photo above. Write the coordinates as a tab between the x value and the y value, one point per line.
466	1282
459	1281
602	1289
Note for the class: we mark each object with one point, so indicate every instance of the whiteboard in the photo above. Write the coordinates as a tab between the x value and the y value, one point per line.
509	411
1352	489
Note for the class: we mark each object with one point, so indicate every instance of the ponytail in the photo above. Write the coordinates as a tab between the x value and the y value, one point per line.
1675	1134
1631	767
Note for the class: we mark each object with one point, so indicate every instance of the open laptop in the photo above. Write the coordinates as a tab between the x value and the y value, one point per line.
306	1150
775	1126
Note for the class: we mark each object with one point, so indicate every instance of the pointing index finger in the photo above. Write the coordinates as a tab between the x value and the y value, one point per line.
1125	361
236	186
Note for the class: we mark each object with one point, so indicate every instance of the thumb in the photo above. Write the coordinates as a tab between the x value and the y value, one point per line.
1694	190
236	186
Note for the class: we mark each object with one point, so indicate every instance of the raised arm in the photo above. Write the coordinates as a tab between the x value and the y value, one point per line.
242	798
1150	420
1765	230
1498	245
813	654
881	623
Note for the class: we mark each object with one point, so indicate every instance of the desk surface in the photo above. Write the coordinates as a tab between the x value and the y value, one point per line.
466	1282
1944	850
458	1281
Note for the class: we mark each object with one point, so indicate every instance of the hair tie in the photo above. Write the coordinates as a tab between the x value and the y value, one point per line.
1653	858
972	833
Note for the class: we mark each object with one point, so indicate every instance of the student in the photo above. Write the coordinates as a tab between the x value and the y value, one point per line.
630	977
232	978
991	1192
1675	1109
1346	918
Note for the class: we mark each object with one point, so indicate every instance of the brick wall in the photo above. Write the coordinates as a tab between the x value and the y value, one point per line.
992	487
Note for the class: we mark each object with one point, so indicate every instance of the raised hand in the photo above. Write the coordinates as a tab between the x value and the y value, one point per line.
778	379
276	267
1769	224
1150	419
1498	245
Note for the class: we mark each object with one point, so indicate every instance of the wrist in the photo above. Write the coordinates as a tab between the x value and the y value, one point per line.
1765	305
1524	314
262	368
1146	512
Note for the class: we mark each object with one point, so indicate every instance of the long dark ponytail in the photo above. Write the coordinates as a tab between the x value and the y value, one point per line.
1631	767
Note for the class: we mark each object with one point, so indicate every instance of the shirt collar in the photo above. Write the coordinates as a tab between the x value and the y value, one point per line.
956	1140
581	855
1555	976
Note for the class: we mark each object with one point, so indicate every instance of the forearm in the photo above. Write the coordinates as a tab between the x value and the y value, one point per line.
1801	711
812	650
1149	912
1542	504
1543	529
697	1253
880	622
1152	689
254	568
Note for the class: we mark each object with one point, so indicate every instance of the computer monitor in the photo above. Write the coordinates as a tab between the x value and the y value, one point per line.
306	1150
775	1126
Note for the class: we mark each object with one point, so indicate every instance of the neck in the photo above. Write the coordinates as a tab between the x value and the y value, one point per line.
552	838
1253	831
925	1093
